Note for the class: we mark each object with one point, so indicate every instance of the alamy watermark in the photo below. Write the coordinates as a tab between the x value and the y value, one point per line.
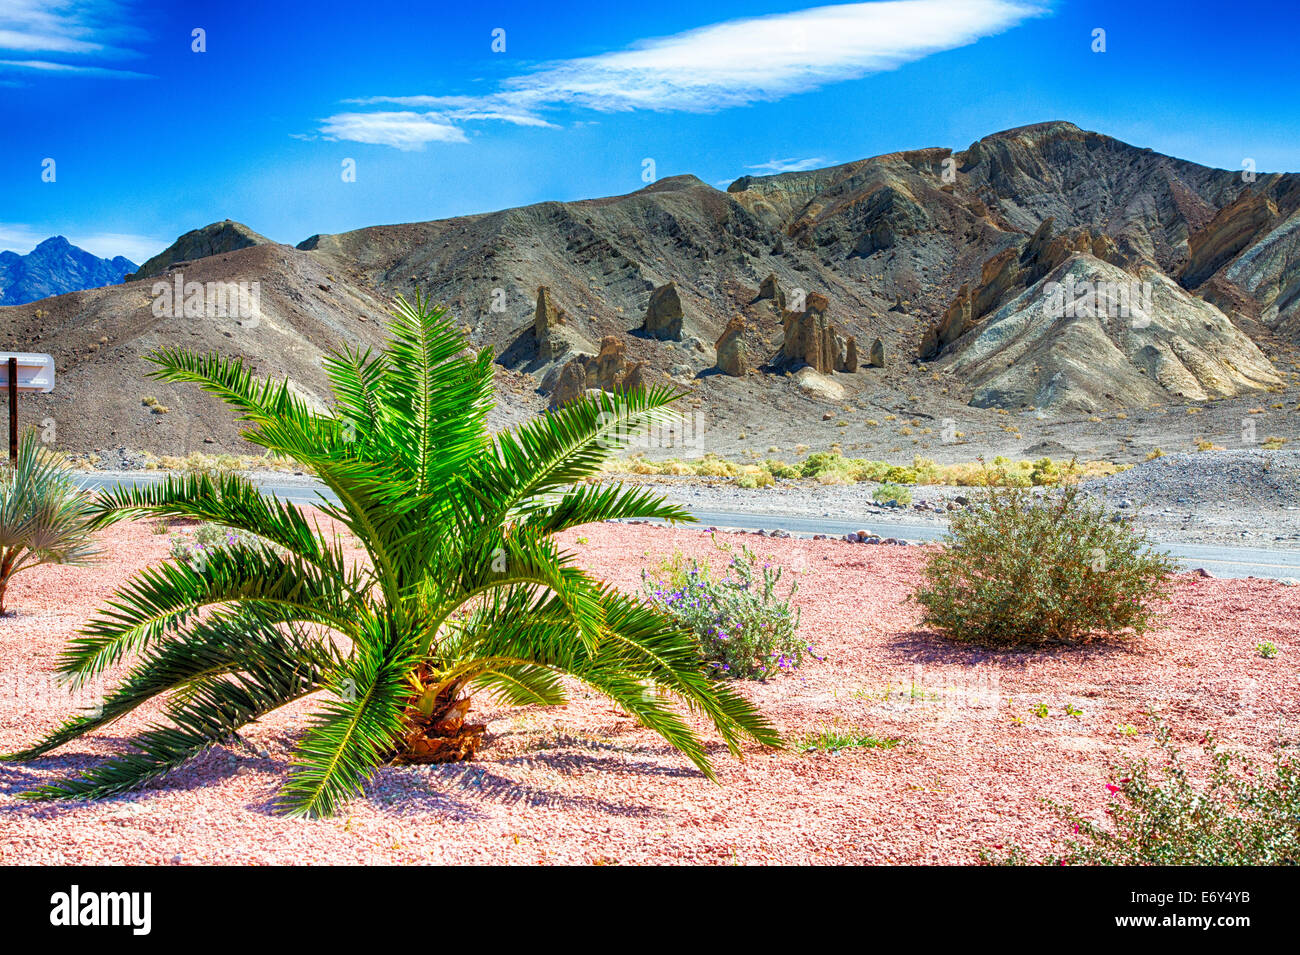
182	299
1071	299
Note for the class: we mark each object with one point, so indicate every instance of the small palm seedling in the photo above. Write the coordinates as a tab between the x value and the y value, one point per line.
464	591
44	517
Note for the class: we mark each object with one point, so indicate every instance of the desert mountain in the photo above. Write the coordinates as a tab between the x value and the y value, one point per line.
924	284
211	240
54	267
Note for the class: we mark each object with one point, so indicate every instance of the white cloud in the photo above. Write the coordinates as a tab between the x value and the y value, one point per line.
774	166
70	38
16	237
735	63
404	130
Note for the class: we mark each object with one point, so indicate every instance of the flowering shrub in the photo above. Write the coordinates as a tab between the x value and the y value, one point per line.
195	548
1020	570
1159	817
745	631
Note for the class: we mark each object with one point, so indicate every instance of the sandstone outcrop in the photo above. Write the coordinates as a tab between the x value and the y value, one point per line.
811	339
730	349
609	370
1163	344
1236	226
547	318
663	317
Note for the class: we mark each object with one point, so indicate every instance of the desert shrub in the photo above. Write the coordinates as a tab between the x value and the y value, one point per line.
890	493
755	478
1019	569
1159	816
779	469
711	465
197	548
744	629
822	462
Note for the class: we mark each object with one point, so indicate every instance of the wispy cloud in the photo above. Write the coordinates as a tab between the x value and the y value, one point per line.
789	165
64	37
20	238
729	64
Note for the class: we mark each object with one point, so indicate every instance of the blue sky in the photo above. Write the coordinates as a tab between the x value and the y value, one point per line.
151	139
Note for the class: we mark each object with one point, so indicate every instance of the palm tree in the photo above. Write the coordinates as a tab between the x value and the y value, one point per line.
464	591
44	516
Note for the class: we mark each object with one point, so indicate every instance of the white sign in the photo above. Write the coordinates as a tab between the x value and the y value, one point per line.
35	372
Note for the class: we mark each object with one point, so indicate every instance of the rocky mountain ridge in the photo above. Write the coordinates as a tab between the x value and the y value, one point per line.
915	284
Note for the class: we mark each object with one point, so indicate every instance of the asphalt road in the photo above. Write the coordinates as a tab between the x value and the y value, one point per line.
1275	563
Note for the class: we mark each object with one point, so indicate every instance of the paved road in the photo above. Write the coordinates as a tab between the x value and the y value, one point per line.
1221	561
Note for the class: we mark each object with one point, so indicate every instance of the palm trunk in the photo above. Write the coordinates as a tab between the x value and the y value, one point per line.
441	736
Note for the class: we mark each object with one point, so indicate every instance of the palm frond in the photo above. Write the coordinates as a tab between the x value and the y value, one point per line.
160	599
355	728
215	709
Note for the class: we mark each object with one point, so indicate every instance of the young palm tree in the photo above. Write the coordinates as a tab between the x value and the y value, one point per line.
464	590
44	516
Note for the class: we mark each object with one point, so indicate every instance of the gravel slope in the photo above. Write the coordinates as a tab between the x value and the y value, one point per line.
583	784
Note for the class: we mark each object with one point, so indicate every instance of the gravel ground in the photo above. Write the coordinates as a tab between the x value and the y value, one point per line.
1248	498
1232	496
583	784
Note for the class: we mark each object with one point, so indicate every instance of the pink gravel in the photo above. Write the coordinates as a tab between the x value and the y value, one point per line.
584	784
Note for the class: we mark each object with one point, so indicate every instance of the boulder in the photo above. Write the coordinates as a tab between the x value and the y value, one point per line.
771	290
876	359
731	349
572	381
663	317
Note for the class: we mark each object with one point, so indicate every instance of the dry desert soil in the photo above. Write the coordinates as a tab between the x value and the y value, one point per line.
582	783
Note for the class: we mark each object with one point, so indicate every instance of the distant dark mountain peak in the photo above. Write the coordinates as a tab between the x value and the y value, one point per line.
55	267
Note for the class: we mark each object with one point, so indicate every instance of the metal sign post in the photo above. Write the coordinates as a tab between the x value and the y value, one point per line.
24	371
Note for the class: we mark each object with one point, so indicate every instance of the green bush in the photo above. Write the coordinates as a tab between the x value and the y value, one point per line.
1159	817
779	469
1024	570
822	462
889	493
744	630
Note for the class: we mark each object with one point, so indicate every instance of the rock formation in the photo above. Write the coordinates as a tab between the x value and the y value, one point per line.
1162	345
770	290
876	359
663	317
546	319
731	349
1233	228
1008	273
607	371
811	339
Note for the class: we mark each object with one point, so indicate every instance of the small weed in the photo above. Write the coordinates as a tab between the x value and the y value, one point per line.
1267	649
834	738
